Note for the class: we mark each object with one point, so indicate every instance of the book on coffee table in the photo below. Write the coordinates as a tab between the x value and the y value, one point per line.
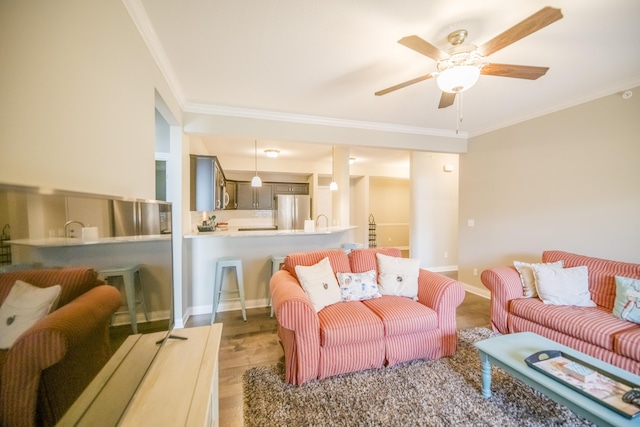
600	386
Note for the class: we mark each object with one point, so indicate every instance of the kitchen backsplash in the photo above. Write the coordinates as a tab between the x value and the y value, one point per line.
235	218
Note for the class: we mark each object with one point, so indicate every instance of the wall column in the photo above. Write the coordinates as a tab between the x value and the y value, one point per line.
340	198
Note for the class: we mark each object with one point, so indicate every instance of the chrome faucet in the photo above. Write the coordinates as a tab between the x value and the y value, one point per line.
66	227
318	220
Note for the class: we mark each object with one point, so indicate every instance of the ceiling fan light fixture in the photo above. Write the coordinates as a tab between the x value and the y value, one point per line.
458	78
271	153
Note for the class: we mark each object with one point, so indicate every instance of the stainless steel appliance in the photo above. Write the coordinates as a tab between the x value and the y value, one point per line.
292	211
134	218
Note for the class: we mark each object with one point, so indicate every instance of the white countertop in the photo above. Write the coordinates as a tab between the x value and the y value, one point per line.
62	241
233	232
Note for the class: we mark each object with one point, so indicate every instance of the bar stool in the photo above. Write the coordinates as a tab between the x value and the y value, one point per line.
221	264
276	264
128	275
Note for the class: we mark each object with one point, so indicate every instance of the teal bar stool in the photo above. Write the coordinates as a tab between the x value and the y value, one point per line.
218	291
128	277
276	264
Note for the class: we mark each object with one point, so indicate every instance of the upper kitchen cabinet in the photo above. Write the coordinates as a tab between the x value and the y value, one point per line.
291	188
207	183
255	197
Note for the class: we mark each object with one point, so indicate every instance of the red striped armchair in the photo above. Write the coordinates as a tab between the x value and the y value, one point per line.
350	336
50	364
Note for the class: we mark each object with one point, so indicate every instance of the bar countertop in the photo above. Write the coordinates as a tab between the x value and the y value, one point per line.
63	241
236	232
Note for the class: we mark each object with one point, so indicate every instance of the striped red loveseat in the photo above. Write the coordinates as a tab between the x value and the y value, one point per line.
591	330
356	335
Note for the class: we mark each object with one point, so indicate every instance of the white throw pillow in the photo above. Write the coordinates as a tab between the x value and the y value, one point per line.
358	286
563	286
398	276
528	279
23	307
627	303
320	284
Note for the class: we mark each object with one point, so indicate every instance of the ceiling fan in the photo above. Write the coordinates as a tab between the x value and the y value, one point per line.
461	66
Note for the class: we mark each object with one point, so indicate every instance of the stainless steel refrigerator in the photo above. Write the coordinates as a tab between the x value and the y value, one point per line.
292	211
133	218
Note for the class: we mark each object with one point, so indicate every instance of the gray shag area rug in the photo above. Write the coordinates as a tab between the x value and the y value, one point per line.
445	392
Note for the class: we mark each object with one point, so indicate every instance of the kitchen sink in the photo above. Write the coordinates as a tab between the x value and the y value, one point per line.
258	229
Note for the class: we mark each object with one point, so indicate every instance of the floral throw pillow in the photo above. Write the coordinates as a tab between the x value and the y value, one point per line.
627	303
358	286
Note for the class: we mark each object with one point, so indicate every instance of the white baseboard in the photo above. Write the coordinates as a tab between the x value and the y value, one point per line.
485	293
122	317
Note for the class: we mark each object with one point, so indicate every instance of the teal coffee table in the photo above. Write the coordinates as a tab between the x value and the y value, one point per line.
509	353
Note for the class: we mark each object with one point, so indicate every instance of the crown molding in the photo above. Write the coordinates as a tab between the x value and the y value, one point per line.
617	87
220	110
141	21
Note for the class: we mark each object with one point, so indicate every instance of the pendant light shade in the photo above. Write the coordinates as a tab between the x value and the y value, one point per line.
256	181
334	185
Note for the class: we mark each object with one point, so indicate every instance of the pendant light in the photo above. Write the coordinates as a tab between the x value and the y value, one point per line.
334	185
256	181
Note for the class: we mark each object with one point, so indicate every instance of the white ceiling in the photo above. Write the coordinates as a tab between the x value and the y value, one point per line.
327	58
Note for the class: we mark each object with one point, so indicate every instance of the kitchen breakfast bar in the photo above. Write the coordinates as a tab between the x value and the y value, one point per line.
255	249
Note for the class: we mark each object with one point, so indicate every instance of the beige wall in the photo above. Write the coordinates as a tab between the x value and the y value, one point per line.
434	210
77	98
390	204
569	181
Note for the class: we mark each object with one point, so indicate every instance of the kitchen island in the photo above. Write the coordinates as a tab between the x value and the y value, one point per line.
255	249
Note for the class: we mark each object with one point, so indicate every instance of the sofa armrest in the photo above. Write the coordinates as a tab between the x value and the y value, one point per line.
442	294
299	327
47	343
505	285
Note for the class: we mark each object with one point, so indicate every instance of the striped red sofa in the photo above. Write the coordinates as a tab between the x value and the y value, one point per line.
356	335
50	364
591	330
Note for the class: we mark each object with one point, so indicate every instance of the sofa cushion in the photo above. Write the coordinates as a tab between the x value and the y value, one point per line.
563	286
627	343
398	276
362	260
348	323
401	315
602	274
594	325
337	257
319	283
627	303
73	281
358	286
525	270
23	307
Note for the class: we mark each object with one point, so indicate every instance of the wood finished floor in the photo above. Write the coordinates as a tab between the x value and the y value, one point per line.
255	343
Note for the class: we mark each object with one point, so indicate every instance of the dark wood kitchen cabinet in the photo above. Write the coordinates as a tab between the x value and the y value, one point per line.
254	197
291	188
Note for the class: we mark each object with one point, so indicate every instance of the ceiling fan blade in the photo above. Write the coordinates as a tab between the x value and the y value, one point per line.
401	85
446	100
421	46
535	22
515	71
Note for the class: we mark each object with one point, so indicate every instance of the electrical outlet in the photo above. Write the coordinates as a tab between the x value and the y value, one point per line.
471	223
446	254
475	271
